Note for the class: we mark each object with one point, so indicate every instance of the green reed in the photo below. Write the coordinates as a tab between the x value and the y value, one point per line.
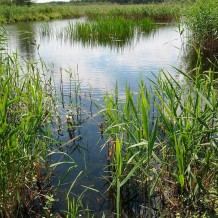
169	149
28	112
109	31
128	128
25	107
201	19
9	14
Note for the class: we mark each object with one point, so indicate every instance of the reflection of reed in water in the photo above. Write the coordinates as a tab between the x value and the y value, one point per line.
72	115
112	32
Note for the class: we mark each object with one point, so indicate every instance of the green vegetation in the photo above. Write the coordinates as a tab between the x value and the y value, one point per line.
202	22
9	14
28	119
111	31
162	142
165	141
25	107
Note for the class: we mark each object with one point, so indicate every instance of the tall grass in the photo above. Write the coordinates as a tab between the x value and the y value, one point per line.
202	23
25	107
28	112
109	31
10	14
169	150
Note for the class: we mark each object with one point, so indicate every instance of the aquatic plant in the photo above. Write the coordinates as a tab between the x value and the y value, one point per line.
202	21
202	24
24	137
164	12
168	149
111	32
28	112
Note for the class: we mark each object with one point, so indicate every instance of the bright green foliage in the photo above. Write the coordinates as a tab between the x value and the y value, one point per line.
27	112
47	11
174	154
25	106
110	31
202	20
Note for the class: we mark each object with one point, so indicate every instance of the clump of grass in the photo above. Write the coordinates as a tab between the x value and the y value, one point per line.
25	106
164	12
202	21
188	116
168	150
109	31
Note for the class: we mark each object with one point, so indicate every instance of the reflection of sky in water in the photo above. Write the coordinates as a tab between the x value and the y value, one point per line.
99	68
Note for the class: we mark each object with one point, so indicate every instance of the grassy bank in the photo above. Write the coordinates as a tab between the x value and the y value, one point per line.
10	14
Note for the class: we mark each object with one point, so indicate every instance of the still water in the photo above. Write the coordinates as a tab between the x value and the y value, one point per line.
98	67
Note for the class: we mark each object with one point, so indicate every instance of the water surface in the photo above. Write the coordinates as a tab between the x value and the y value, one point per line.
98	68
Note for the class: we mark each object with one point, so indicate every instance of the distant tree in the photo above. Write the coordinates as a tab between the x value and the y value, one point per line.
5	2
23	2
16	2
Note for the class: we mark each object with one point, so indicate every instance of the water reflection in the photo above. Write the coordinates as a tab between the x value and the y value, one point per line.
23	35
203	59
98	67
114	33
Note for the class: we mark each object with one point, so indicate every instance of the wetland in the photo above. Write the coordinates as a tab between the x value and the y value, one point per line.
107	116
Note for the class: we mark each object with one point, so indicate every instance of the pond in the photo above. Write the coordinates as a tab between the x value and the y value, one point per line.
95	68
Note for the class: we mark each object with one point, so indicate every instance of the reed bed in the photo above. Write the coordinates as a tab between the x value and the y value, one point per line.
202	21
114	32
24	137
10	14
28	114
117	31
162	143
202	25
